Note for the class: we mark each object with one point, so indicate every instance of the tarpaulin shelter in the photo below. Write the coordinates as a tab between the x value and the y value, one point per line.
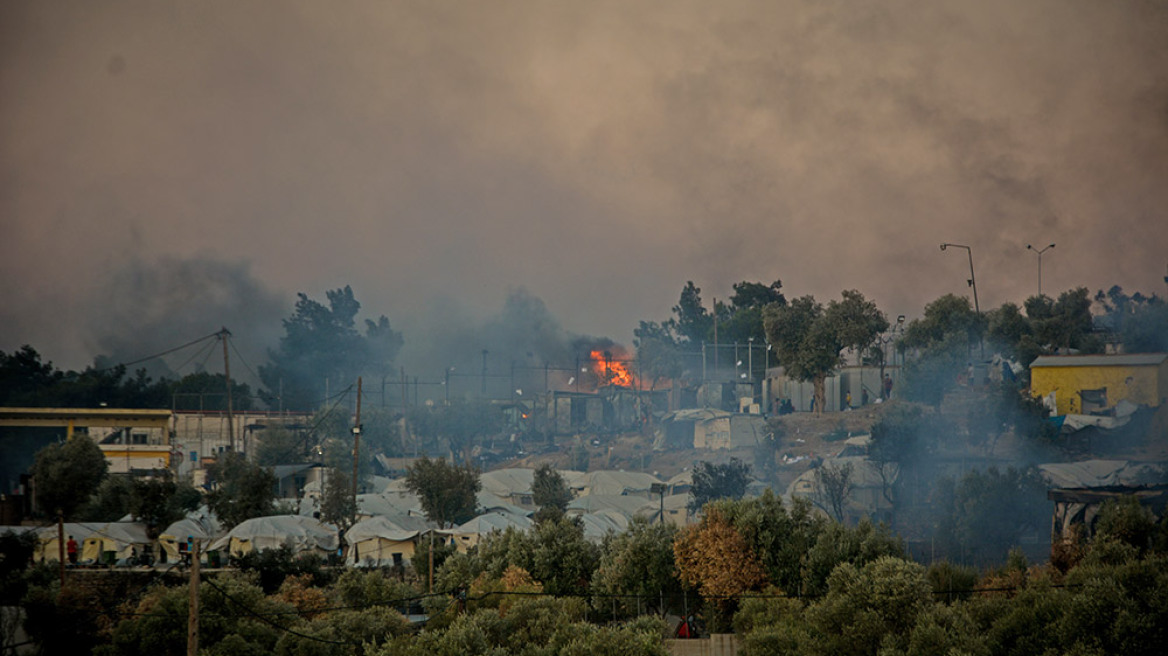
304	534
384	540
114	541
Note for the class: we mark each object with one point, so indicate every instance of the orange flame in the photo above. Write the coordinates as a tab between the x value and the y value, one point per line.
610	371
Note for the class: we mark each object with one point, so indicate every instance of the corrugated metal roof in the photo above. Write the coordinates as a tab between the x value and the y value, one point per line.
1115	360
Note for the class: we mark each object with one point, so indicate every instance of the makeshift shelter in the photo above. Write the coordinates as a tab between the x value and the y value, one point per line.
114	541
382	541
599	524
304	534
173	539
629	506
472	532
615	483
47	549
512	485
1101	473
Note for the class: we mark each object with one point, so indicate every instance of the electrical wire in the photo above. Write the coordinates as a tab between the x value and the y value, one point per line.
156	355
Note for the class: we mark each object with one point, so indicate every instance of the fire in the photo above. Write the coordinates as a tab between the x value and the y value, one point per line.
610	370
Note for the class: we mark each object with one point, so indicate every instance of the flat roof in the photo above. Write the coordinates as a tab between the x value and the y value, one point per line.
1105	360
96	417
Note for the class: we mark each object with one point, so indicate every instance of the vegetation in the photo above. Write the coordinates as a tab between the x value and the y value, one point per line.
809	339
718	481
67	474
448	492
240	489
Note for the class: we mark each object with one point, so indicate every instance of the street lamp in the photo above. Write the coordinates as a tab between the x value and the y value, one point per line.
1040	252
972	283
972	279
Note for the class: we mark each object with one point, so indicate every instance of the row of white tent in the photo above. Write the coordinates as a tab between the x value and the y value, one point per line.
391	523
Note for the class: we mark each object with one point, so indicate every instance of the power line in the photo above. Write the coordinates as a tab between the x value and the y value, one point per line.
156	355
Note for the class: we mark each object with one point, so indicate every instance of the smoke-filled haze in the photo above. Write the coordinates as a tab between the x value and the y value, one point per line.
170	167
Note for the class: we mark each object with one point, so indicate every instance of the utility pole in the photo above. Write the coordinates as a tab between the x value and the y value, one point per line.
61	546
356	446
483	390
223	335
193	615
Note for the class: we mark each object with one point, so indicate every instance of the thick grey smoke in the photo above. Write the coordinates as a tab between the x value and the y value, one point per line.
146	308
599	154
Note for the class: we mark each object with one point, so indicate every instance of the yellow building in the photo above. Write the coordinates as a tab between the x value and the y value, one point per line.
1081	384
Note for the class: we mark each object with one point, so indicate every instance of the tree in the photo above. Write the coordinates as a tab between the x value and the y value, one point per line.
337	504
240	489
692	324
712	481
1064	324
639	561
280	446
949	314
448	492
900	440
158	501
1140	321
322	343
67	474
833	486
809	340
715	558
204	391
550	491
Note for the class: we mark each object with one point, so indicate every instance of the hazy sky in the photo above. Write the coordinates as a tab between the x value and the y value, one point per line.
170	167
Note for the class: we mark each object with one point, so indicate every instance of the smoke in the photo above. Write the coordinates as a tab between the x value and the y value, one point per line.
148	307
597	154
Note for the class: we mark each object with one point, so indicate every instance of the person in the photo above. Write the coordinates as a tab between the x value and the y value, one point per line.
887	387
848	401
71	550
864	396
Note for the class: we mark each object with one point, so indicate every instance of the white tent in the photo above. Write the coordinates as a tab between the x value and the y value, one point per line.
304	534
198	526
119	538
599	524
46	548
384	540
469	534
629	506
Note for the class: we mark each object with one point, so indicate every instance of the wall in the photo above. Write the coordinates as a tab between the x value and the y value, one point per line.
1137	384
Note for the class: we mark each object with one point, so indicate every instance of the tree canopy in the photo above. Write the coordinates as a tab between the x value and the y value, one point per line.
448	492
240	489
808	340
718	481
321	342
67	474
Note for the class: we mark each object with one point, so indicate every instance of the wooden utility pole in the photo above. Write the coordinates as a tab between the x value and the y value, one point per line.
223	335
61	546
356	446
193	615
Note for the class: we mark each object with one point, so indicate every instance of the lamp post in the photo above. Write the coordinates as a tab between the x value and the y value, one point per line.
1040	251
973	284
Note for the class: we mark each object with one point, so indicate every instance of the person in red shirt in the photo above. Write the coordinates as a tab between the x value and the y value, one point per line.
71	550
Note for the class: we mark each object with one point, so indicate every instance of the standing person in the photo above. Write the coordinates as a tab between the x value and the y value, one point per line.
864	396
848	401
71	550
887	387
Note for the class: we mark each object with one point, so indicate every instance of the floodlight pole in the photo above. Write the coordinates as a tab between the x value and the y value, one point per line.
973	284
1040	252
